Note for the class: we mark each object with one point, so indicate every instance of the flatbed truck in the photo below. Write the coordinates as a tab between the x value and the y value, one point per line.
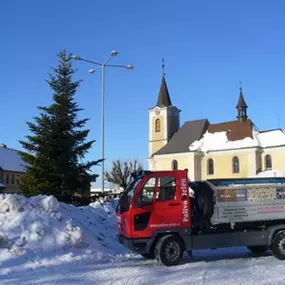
162	214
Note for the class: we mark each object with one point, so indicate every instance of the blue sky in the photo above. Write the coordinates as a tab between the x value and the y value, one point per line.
208	47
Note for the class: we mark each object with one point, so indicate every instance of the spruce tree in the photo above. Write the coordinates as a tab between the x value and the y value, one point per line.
55	151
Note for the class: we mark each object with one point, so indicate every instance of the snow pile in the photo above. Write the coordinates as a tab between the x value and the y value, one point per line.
219	141
43	227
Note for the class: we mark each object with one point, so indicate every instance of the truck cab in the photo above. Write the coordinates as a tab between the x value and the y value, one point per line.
154	201
161	214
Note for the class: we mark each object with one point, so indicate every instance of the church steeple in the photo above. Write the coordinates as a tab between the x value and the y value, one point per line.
163	96
164	120
241	107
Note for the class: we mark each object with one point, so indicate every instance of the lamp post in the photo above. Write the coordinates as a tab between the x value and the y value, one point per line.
91	71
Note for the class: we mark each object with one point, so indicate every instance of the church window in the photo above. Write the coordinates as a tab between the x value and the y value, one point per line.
157	125
174	164
268	162
210	166
235	164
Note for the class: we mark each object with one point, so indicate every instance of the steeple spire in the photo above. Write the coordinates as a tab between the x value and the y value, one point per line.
163	97
241	107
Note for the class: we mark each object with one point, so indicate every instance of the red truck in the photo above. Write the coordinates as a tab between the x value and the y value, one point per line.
161	214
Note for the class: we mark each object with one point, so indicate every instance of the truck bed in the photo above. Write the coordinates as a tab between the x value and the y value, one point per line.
248	203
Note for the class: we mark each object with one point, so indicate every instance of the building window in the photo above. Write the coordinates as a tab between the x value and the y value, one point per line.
7	178
174	164
235	164
12	179
268	162
157	125
210	166
1	175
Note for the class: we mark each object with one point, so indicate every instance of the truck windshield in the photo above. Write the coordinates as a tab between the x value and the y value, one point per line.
125	199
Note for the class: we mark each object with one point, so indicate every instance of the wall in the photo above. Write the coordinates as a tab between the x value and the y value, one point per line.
164	162
11	182
223	164
169	124
277	158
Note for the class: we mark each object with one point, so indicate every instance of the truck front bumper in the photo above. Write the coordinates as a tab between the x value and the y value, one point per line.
136	245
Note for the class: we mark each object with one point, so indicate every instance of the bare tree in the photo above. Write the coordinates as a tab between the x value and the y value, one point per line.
120	173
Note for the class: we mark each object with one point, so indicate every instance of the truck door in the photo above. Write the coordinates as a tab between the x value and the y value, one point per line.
158	205
142	208
167	209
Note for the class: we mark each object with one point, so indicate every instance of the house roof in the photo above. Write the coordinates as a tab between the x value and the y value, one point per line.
190	132
11	160
235	130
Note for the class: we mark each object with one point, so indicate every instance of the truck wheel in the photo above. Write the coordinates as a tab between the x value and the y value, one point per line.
278	246
258	248
169	250
149	255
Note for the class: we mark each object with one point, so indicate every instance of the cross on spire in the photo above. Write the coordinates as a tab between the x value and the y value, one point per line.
241	106
240	86
163	96
163	66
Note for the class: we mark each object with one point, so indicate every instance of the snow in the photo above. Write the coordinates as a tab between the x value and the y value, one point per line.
219	141
11	160
43	241
40	226
272	138
270	173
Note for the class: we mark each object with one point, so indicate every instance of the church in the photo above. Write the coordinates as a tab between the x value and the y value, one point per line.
234	149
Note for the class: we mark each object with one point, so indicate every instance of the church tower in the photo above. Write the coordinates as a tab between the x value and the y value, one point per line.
241	108
163	119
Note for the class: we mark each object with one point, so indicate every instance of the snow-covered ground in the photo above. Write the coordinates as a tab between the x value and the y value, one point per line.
46	242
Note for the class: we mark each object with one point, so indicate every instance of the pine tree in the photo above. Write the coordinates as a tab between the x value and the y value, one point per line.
55	150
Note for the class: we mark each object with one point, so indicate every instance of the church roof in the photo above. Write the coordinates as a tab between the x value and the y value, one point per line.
10	160
235	130
241	102
219	140
190	132
163	97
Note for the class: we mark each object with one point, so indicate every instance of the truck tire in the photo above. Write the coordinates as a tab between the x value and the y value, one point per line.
169	250
149	255
258	248
278	246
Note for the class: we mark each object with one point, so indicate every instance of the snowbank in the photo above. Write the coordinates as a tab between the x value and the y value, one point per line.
42	227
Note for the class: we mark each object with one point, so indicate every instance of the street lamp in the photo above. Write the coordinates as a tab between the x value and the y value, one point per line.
102	66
